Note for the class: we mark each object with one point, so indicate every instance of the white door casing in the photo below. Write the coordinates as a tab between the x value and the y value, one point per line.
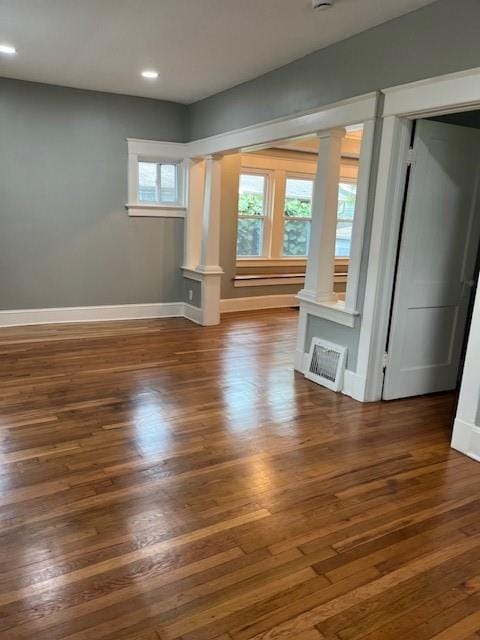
436	261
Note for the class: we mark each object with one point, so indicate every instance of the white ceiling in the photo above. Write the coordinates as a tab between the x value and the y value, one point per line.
199	47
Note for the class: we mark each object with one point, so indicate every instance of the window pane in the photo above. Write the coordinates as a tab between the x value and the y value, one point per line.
343	240
251	195
249	237
296	237
168	182
147	182
298	197
347	192
158	182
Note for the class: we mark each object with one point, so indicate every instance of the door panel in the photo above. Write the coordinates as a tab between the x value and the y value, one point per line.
436	261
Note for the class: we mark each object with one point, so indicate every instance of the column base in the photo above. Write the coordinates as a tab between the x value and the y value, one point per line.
310	296
210	278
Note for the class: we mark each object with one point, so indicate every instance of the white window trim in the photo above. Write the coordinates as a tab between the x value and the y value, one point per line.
267	210
294	175
153	151
277	170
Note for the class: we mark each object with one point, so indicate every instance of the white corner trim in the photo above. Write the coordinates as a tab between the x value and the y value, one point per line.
453	91
155	211
21	317
466	439
333	311
195	314
228	305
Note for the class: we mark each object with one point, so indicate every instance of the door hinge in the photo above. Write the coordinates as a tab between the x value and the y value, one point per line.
411	156
384	361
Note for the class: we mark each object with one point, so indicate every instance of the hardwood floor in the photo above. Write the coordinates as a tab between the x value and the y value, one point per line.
161	480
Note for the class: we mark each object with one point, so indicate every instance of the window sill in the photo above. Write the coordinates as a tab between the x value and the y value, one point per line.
334	311
281	262
268	279
271	262
156	211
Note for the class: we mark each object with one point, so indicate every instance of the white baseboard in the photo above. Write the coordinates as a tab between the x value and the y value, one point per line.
466	438
354	386
228	305
300	361
195	314
352	383
91	314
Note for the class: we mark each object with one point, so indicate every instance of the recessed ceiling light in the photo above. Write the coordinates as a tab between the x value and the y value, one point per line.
151	75
8	49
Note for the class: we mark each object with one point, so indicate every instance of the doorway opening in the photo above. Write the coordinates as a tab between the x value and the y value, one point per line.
437	261
266	218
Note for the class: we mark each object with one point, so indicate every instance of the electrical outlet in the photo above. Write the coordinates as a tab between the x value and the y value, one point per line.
190	295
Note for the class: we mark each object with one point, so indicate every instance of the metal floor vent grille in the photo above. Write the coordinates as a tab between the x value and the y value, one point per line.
326	364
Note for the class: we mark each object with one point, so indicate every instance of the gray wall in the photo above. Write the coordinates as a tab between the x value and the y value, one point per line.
440	38
345	336
65	236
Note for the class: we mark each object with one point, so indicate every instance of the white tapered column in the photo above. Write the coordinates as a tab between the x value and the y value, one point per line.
210	247
208	271
194	217
319	277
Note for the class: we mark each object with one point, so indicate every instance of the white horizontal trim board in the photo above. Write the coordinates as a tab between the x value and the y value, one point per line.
228	305
348	112
344	113
21	317
58	315
334	311
451	92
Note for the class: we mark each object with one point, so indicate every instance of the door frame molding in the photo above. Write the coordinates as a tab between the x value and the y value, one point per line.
403	104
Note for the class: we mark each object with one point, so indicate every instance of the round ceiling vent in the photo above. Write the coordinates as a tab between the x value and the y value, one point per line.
322	4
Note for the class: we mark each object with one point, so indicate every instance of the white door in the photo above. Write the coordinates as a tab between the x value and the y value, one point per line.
436	263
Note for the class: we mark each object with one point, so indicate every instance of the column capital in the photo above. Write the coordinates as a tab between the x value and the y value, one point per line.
214	156
337	132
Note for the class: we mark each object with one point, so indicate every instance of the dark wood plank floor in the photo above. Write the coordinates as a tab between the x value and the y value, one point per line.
161	480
